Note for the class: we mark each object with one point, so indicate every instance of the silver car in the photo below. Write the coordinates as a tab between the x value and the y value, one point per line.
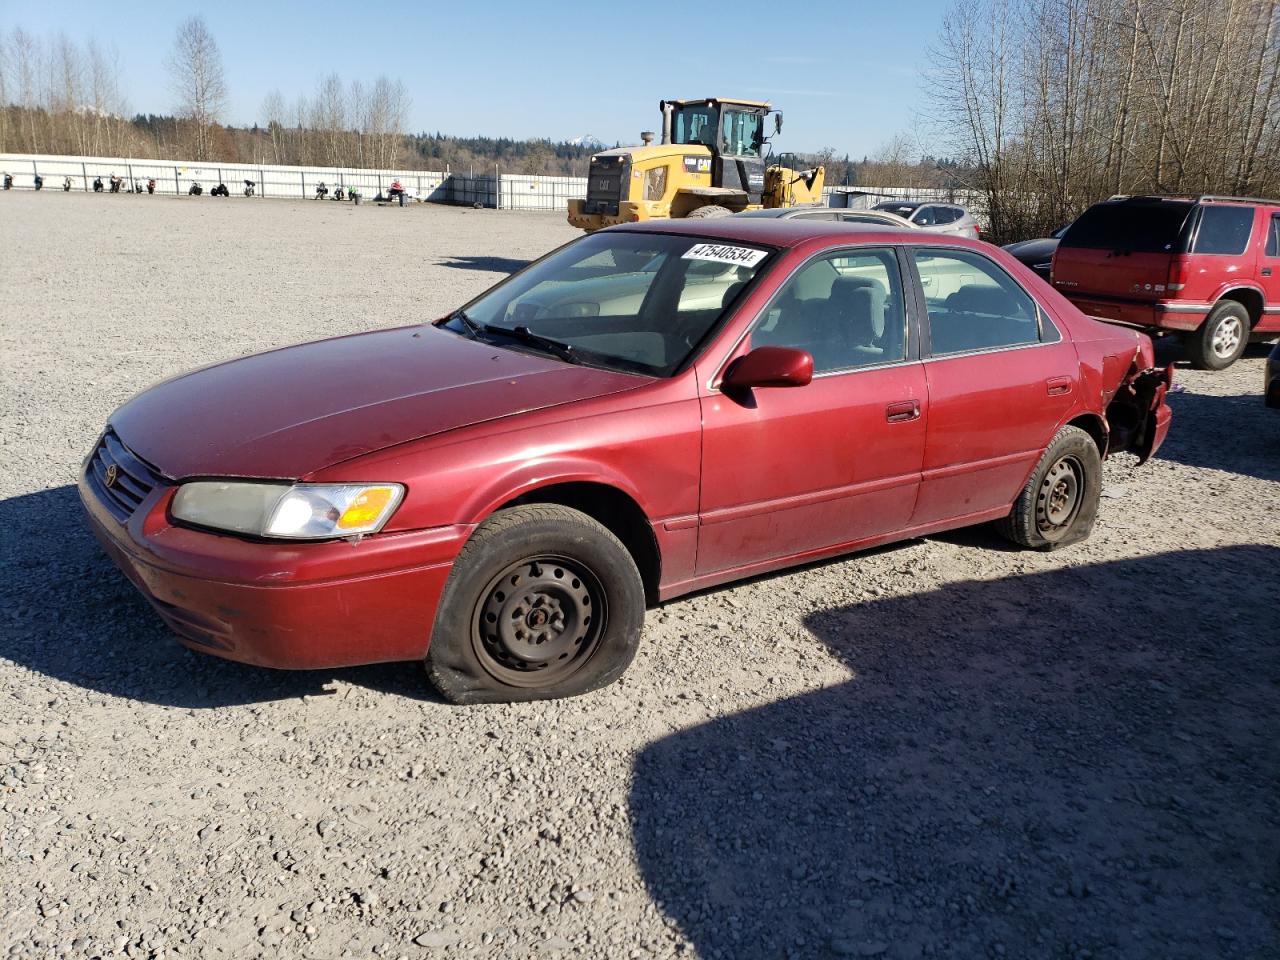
876	218
935	217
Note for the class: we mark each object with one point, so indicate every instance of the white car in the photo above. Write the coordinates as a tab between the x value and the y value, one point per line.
935	217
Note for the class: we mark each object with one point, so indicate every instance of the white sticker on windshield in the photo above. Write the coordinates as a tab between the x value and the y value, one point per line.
721	253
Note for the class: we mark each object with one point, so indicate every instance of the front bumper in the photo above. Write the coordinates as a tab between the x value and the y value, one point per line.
282	604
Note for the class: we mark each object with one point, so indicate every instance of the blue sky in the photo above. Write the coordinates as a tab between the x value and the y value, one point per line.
847	75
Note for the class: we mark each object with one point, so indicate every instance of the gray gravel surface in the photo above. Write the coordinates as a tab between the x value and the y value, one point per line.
945	748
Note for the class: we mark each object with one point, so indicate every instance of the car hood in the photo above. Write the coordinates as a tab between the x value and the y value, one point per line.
290	412
1033	251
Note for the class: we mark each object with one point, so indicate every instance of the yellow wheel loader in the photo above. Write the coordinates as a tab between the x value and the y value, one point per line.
710	163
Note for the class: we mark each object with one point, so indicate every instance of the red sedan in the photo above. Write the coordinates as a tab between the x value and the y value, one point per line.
649	410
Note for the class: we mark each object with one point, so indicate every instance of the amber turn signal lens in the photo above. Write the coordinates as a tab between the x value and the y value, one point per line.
366	508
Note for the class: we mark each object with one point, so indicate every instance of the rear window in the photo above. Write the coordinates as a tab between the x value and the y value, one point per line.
1224	230
1139	228
1273	238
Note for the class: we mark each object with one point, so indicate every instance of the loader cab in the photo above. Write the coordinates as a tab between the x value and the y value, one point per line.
734	132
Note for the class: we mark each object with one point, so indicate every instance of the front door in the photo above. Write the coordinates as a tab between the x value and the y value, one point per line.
1269	277
795	470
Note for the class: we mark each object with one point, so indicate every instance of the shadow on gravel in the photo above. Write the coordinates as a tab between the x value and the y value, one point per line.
71	615
1196	438
486	264
1082	763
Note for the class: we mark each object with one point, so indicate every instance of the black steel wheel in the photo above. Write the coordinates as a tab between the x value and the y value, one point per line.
539	621
1059	502
1059	497
542	602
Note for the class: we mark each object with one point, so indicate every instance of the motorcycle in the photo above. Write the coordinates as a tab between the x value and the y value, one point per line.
195	189
220	191
97	184
322	191
116	183
338	194
8	181
249	186
66	185
151	186
39	182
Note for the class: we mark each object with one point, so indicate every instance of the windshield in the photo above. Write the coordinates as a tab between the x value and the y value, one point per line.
634	301
901	209
1137	227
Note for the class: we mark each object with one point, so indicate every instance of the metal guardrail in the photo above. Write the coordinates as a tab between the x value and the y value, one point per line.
271	181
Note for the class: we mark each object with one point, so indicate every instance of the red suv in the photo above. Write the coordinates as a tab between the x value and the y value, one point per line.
1206	267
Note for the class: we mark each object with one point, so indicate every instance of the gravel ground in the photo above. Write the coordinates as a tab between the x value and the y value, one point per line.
946	748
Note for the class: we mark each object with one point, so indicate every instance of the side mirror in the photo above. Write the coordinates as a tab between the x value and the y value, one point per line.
769	367
777	122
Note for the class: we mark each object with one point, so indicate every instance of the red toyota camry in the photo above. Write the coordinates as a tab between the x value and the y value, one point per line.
649	410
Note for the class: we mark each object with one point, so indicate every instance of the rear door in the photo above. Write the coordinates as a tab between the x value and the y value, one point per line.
1122	249
1000	376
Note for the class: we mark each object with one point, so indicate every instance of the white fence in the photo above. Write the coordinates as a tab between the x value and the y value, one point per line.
500	190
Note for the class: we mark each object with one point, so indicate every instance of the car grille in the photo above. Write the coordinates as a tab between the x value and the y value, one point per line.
131	478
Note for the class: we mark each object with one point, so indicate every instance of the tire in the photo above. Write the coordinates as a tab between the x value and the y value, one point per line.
711	211
1221	339
1059	503
572	625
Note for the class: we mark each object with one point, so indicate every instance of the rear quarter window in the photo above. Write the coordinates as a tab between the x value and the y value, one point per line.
1224	230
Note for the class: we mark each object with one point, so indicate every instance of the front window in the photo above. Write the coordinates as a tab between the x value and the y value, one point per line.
845	309
694	124
631	301
743	135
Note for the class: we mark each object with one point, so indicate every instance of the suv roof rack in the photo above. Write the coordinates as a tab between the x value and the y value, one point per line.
1193	198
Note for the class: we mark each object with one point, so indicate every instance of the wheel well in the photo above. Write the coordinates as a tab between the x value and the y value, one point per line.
1094	427
1250	299
616	511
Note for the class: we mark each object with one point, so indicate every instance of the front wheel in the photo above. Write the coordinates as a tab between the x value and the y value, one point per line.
1221	339
1059	502
543	602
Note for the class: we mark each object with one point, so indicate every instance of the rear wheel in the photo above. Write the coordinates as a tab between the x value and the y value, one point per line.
1059	503
709	212
543	602
1221	339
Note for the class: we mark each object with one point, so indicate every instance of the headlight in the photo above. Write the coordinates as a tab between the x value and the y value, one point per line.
301	511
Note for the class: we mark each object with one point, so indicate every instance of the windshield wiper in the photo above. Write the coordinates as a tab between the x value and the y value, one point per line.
473	328
561	349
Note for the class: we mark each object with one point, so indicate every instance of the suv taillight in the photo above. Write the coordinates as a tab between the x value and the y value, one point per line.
1178	272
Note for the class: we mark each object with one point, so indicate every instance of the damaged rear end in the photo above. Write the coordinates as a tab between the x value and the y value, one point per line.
1137	415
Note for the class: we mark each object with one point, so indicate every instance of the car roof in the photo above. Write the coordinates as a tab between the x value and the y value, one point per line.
784	213
791	232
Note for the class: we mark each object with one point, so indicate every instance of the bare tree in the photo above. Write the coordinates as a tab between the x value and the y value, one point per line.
199	83
1058	103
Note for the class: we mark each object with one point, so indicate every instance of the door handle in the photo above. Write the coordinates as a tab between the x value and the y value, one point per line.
1266	271
902	411
1057	386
